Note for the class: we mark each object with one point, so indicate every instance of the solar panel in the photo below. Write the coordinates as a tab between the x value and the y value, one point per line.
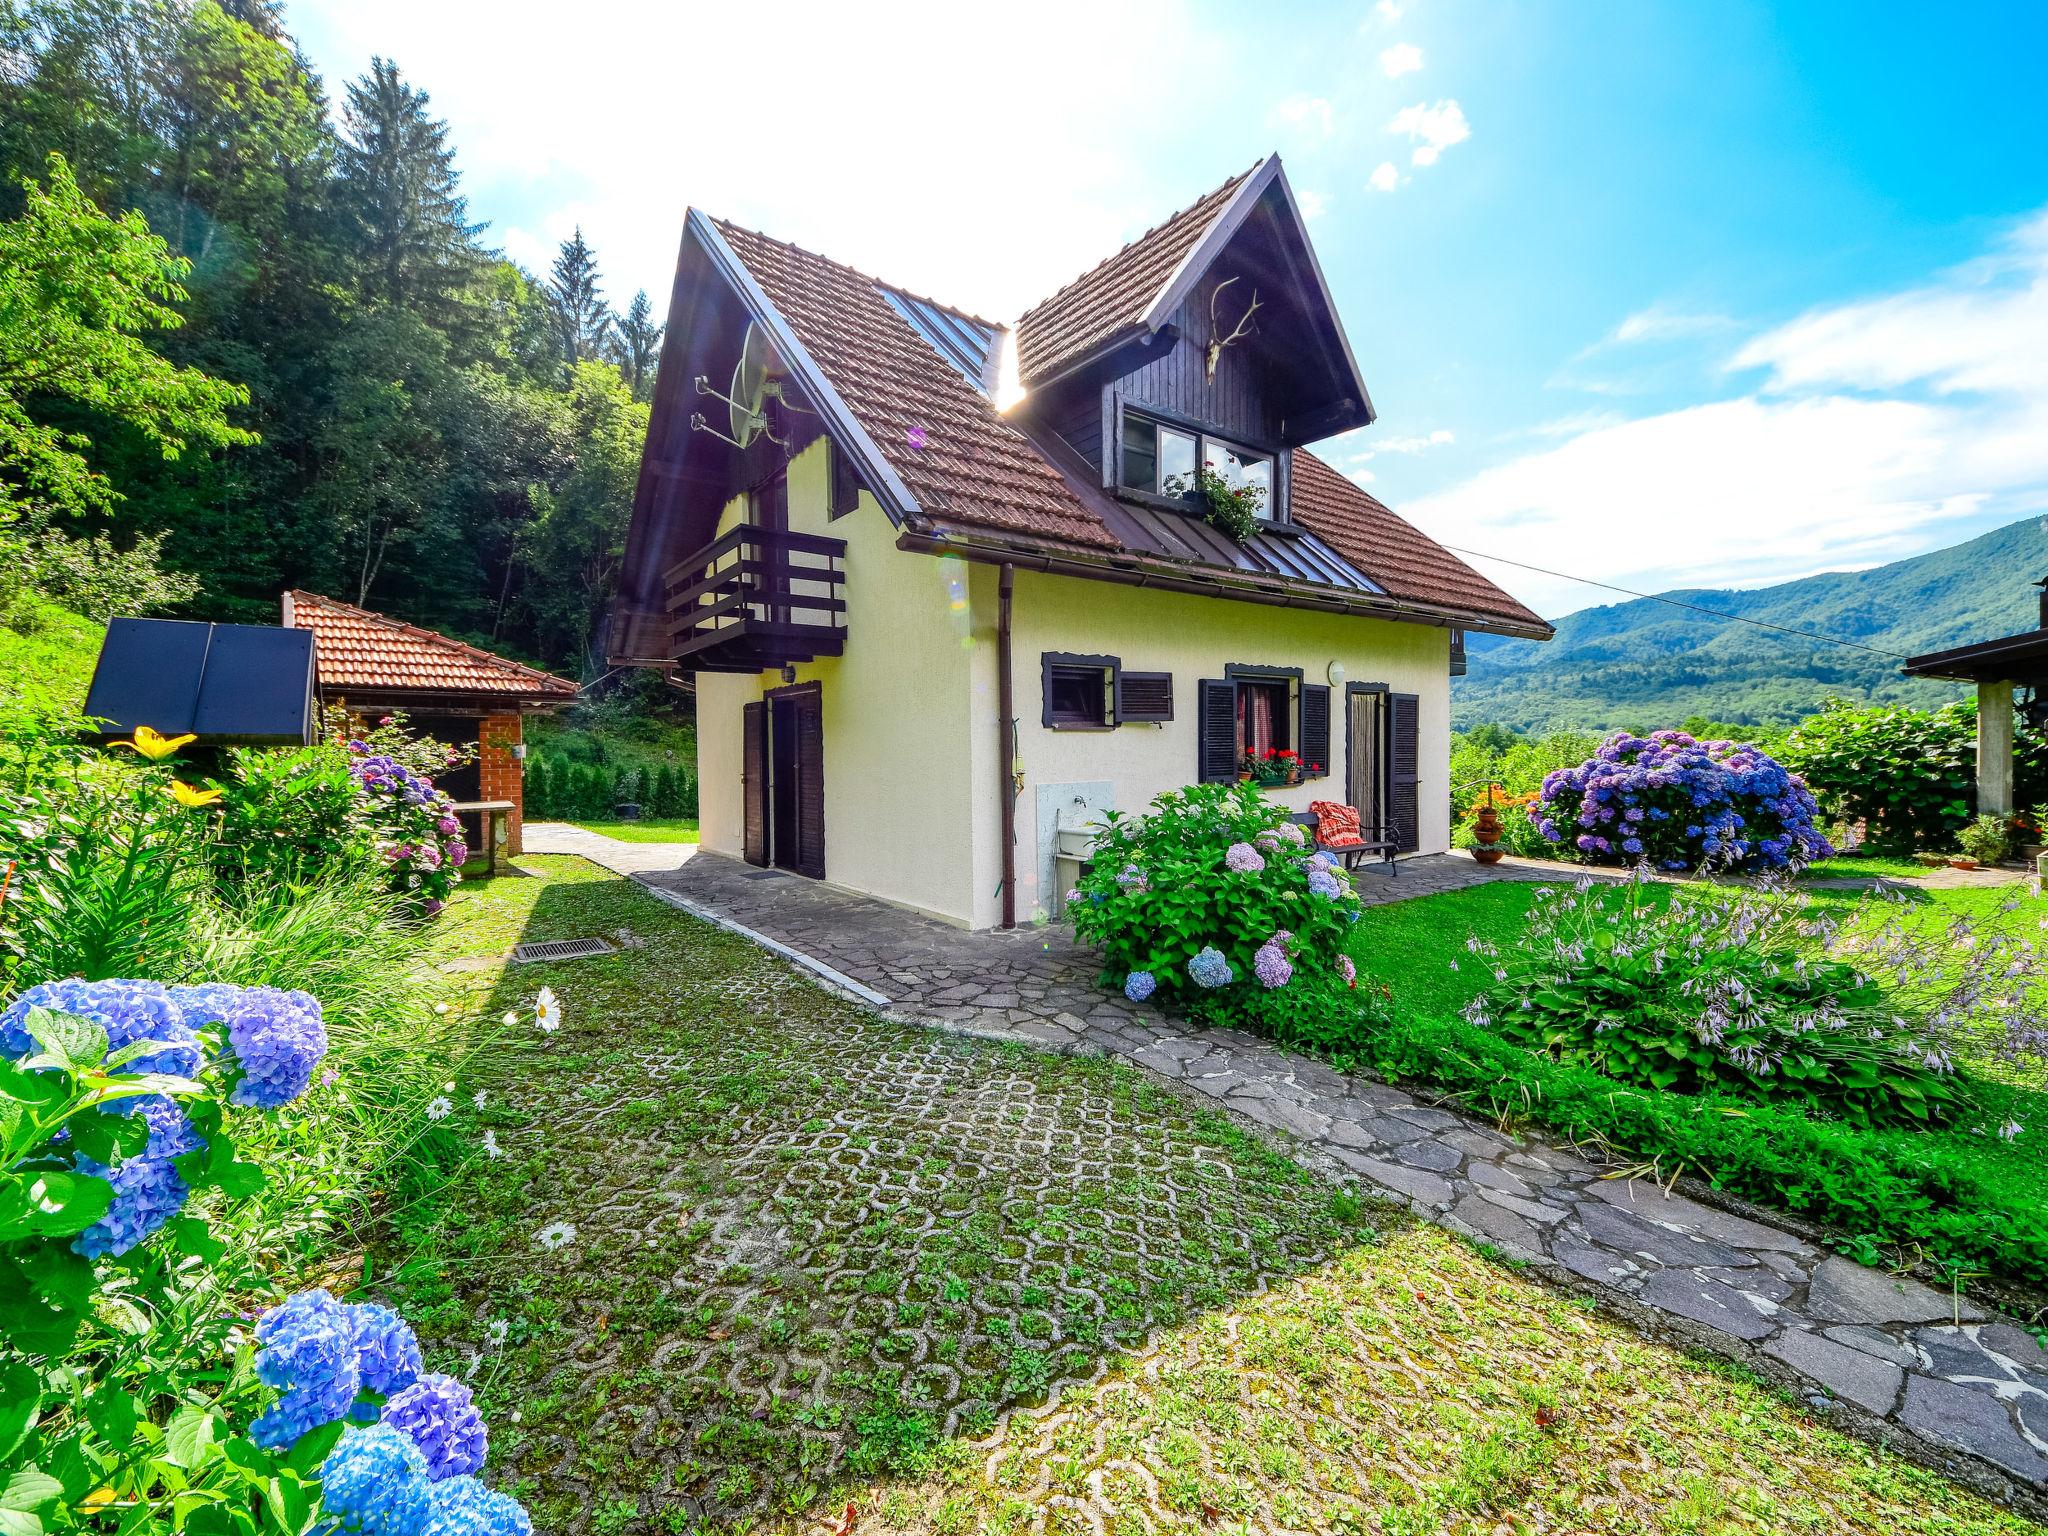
250	684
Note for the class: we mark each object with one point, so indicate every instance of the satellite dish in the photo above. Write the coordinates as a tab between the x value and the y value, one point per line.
756	380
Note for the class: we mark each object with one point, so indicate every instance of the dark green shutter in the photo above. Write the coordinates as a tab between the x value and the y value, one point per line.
1406	769
1216	731
1315	730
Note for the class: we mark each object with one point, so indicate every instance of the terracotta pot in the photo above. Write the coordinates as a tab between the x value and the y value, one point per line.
1962	863
1486	826
1487	855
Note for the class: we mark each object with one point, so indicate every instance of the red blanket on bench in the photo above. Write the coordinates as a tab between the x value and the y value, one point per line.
1336	825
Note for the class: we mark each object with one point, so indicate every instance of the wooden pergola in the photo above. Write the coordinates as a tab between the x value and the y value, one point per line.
1998	668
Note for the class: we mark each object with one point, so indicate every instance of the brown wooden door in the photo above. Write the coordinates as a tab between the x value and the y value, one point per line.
754	781
793	759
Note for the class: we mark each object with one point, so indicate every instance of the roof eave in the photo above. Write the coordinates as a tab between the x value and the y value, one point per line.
1129	569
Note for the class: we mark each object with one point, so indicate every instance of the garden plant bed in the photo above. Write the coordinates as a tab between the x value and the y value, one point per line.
818	1256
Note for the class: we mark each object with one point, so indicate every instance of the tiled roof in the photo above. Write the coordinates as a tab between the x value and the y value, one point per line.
1115	294
1395	553
355	648
974	467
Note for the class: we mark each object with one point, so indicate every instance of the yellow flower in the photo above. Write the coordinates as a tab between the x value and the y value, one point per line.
188	795
153	745
99	1498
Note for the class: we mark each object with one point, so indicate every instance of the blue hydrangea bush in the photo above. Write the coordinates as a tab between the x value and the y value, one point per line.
1214	906
134	1394
1675	803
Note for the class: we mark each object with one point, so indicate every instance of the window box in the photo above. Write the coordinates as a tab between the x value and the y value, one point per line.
1158	460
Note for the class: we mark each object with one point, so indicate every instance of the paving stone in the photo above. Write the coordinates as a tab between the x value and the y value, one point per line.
1970	1420
1504	1227
1847	1292
1649	1201
1429	1119
1528	1210
1867	1382
1706	1301
1416	1183
1599	1265
2017	1345
1870	1342
1490	1177
1632	1234
1431	1154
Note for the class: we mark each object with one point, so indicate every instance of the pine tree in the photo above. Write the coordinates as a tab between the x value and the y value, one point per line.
668	796
538	793
401	194
639	345
584	318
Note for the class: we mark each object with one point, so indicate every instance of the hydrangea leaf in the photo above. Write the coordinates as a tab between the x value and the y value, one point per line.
21	1402
51	1203
67	1040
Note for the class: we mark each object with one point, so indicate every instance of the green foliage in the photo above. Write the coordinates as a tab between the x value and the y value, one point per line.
1639	665
76	289
1985	839
1218	866
1704	994
1515	766
286	815
1908	774
537	790
1230	509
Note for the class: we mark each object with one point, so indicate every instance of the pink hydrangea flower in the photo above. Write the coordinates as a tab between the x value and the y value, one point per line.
1244	858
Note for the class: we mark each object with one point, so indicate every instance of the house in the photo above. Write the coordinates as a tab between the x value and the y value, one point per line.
450	691
948	585
1997	667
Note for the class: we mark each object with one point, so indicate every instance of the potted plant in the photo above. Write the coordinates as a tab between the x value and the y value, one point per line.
1486	828
1983	841
1272	768
1231	510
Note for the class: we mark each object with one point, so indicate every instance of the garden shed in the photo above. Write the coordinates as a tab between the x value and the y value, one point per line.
455	692
2000	668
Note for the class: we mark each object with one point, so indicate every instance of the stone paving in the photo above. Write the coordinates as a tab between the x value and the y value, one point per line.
1887	1355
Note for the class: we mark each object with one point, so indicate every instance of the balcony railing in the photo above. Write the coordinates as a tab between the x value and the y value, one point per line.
756	599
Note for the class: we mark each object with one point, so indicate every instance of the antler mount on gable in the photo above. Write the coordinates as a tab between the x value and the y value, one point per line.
1217	341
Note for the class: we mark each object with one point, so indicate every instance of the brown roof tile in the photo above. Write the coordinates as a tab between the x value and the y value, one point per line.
974	467
355	648
1389	549
1115	294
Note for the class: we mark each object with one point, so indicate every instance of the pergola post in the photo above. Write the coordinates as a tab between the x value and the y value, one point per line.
1994	749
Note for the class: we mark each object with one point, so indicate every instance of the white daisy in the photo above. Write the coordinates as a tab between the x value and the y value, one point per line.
555	1235
481	1096
547	1011
439	1109
490	1145
509	1020
497	1332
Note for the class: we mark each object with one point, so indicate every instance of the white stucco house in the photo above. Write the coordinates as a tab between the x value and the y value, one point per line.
946	584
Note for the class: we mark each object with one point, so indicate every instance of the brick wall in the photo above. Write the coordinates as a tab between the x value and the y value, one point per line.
499	771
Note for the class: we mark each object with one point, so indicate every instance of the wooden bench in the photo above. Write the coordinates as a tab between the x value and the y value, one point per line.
1379	843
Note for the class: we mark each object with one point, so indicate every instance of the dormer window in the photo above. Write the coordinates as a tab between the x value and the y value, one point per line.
1159	458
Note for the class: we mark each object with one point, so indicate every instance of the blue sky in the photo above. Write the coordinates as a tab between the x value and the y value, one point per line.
1661	294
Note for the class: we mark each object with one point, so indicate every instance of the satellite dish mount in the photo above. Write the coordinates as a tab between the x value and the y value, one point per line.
756	380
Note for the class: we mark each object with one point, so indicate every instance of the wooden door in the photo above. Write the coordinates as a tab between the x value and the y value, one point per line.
754	782
795	800
1405	769
1366	759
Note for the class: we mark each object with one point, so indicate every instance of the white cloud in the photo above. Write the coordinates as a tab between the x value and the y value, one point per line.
1385	177
1388	10
548	135
1436	439
1310	115
1314	204
1401	59
1660	324
1885	427
1435	128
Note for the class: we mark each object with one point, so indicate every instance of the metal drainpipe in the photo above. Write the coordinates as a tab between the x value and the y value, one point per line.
1006	586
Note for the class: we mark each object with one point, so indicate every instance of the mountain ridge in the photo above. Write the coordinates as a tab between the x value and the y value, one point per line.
1644	663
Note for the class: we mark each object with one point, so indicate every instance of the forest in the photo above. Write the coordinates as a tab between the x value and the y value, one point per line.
338	383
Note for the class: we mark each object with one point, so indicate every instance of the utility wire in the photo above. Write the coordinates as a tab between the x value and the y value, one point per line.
1672	602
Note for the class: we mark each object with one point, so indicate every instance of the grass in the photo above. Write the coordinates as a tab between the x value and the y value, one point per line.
1960	1198
50	659
752	1259
652	829
1863	866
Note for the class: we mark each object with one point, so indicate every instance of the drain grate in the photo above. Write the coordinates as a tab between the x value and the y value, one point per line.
561	949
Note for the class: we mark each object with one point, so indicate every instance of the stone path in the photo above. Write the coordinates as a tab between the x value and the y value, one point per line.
1930	1372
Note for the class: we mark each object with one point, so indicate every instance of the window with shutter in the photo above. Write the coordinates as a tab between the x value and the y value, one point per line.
1216	731
1144	696
1078	692
1315	730
1405	769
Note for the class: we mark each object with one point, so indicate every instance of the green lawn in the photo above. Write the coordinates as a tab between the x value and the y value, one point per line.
730	1254
681	829
1860	866
50	661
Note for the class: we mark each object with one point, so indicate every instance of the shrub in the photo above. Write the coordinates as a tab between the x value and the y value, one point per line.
1728	993
1668	800
536	790
1212	903
1908	774
1984	839
286	815
116	1295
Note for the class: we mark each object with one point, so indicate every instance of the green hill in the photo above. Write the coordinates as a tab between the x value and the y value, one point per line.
1642	664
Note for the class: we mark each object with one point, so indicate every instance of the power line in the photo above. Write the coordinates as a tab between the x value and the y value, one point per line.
1672	602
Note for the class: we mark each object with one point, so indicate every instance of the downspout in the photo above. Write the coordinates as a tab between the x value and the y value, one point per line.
1006	751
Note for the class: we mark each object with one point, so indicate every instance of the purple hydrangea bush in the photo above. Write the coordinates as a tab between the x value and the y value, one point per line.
1213	905
1675	803
417	835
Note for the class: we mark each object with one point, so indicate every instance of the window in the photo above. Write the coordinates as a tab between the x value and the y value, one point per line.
1161	459
1079	691
1262	716
1240	468
1254	710
1157	458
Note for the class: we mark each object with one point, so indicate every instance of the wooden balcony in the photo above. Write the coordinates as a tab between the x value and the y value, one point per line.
757	599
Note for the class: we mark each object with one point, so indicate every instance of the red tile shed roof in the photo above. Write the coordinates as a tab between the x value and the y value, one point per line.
354	648
1115	294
